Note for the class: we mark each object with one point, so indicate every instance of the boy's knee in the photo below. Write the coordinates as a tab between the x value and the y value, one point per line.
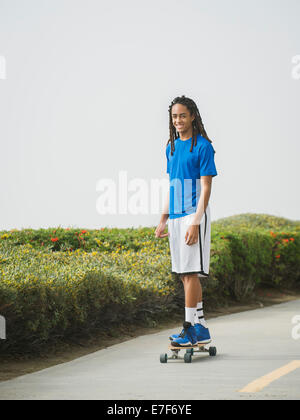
189	277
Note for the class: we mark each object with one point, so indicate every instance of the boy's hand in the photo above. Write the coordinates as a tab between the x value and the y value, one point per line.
192	235
159	232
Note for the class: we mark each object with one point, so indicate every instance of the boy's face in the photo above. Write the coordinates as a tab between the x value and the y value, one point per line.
181	118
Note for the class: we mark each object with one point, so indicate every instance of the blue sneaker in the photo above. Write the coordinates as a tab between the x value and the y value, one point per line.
203	336
174	336
187	337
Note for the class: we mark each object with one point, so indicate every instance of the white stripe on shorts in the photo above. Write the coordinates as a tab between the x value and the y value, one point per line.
188	259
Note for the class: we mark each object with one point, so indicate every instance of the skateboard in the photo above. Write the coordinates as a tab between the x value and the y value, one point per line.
190	351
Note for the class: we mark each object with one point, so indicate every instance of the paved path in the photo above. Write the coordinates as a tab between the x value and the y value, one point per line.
250	346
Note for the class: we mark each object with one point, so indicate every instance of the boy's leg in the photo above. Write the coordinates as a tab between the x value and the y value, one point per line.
193	301
188	335
193	297
200	292
199	317
199	300
192	290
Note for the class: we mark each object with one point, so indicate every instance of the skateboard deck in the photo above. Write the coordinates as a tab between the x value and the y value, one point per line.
196	346
190	351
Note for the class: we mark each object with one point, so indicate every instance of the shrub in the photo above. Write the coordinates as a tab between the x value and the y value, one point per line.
59	283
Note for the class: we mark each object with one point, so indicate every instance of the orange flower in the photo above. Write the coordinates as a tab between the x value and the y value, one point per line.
277	256
83	231
292	239
285	240
54	239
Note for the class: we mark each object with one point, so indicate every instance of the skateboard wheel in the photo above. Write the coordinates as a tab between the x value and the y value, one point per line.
212	351
188	357
163	358
190	351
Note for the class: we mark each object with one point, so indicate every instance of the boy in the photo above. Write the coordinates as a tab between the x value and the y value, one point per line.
191	167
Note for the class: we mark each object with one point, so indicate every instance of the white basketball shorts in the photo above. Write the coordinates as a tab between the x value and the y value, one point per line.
190	259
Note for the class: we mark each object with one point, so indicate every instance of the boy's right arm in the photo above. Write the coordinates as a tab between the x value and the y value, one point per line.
159	232
165	213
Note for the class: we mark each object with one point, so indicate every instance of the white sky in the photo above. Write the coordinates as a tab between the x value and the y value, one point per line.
86	94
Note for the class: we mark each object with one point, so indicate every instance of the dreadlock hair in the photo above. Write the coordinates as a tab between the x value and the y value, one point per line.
198	127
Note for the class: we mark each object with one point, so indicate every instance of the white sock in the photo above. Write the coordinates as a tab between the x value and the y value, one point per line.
199	315
196	320
190	315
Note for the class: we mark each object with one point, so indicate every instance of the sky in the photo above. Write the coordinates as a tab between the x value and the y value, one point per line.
85	87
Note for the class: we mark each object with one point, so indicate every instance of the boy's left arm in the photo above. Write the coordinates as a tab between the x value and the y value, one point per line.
192	233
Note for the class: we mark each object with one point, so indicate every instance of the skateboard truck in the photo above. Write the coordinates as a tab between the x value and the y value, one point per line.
190	351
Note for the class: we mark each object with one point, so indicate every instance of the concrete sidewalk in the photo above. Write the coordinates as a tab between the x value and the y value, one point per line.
249	345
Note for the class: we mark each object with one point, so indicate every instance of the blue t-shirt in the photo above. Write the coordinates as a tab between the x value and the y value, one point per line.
185	169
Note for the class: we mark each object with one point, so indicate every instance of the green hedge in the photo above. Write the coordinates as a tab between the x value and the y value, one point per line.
57	283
